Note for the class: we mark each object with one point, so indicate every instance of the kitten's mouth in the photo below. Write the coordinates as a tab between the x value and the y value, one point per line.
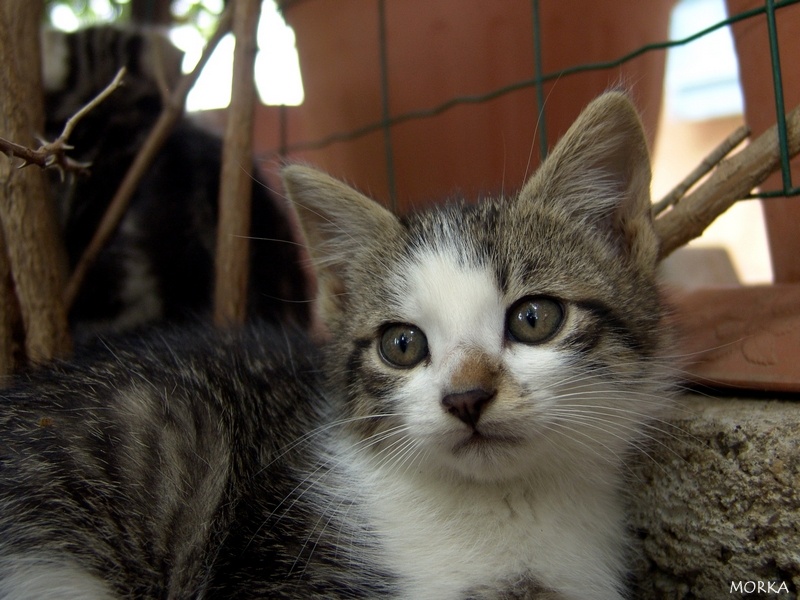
480	440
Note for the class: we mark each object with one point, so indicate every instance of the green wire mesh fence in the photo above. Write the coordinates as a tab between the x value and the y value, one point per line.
388	121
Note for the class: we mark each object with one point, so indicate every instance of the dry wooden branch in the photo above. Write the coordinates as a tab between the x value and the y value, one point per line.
54	154
7	316
232	262
172	112
708	163
35	255
732	180
47	155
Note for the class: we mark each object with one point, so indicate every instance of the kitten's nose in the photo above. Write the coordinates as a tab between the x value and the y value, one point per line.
467	406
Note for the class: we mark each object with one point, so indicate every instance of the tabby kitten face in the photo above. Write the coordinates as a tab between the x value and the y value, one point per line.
505	339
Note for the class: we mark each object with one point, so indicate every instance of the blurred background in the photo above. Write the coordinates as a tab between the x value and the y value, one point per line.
415	101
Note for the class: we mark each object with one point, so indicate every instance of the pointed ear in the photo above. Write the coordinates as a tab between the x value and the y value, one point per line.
599	172
338	223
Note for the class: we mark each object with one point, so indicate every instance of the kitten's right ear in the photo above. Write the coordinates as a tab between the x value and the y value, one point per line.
338	223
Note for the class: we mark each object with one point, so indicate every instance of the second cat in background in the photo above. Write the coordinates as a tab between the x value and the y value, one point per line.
158	267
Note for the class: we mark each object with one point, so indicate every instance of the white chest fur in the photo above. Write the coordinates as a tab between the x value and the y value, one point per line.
446	538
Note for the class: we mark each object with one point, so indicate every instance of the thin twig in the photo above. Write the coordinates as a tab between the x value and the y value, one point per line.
171	113
53	154
709	162
73	121
49	155
28	156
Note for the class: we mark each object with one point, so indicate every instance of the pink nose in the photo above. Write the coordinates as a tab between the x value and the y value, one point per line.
467	406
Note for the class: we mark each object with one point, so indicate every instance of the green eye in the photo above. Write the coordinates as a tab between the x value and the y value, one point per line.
402	345
534	320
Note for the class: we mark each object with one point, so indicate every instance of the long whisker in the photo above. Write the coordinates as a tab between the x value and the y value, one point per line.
398	453
320	471
592	420
323	429
323	470
323	466
555	426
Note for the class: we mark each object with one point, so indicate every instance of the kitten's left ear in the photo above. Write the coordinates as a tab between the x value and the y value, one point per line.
599	172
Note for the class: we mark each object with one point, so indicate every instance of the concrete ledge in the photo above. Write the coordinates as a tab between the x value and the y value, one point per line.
718	501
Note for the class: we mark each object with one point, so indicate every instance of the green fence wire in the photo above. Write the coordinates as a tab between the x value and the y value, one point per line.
780	109
769	11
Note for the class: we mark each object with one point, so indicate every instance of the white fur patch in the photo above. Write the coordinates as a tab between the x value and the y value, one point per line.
55	60
34	578
460	310
456	305
445	537
140	293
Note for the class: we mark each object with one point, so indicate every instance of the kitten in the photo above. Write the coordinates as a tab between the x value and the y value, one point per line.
159	264
459	435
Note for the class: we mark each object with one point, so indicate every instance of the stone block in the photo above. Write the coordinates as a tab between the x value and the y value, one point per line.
715	501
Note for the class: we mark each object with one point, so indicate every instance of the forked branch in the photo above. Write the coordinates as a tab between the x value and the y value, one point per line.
54	154
732	179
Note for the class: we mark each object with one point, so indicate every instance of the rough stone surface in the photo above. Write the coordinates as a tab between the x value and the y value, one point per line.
716	501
